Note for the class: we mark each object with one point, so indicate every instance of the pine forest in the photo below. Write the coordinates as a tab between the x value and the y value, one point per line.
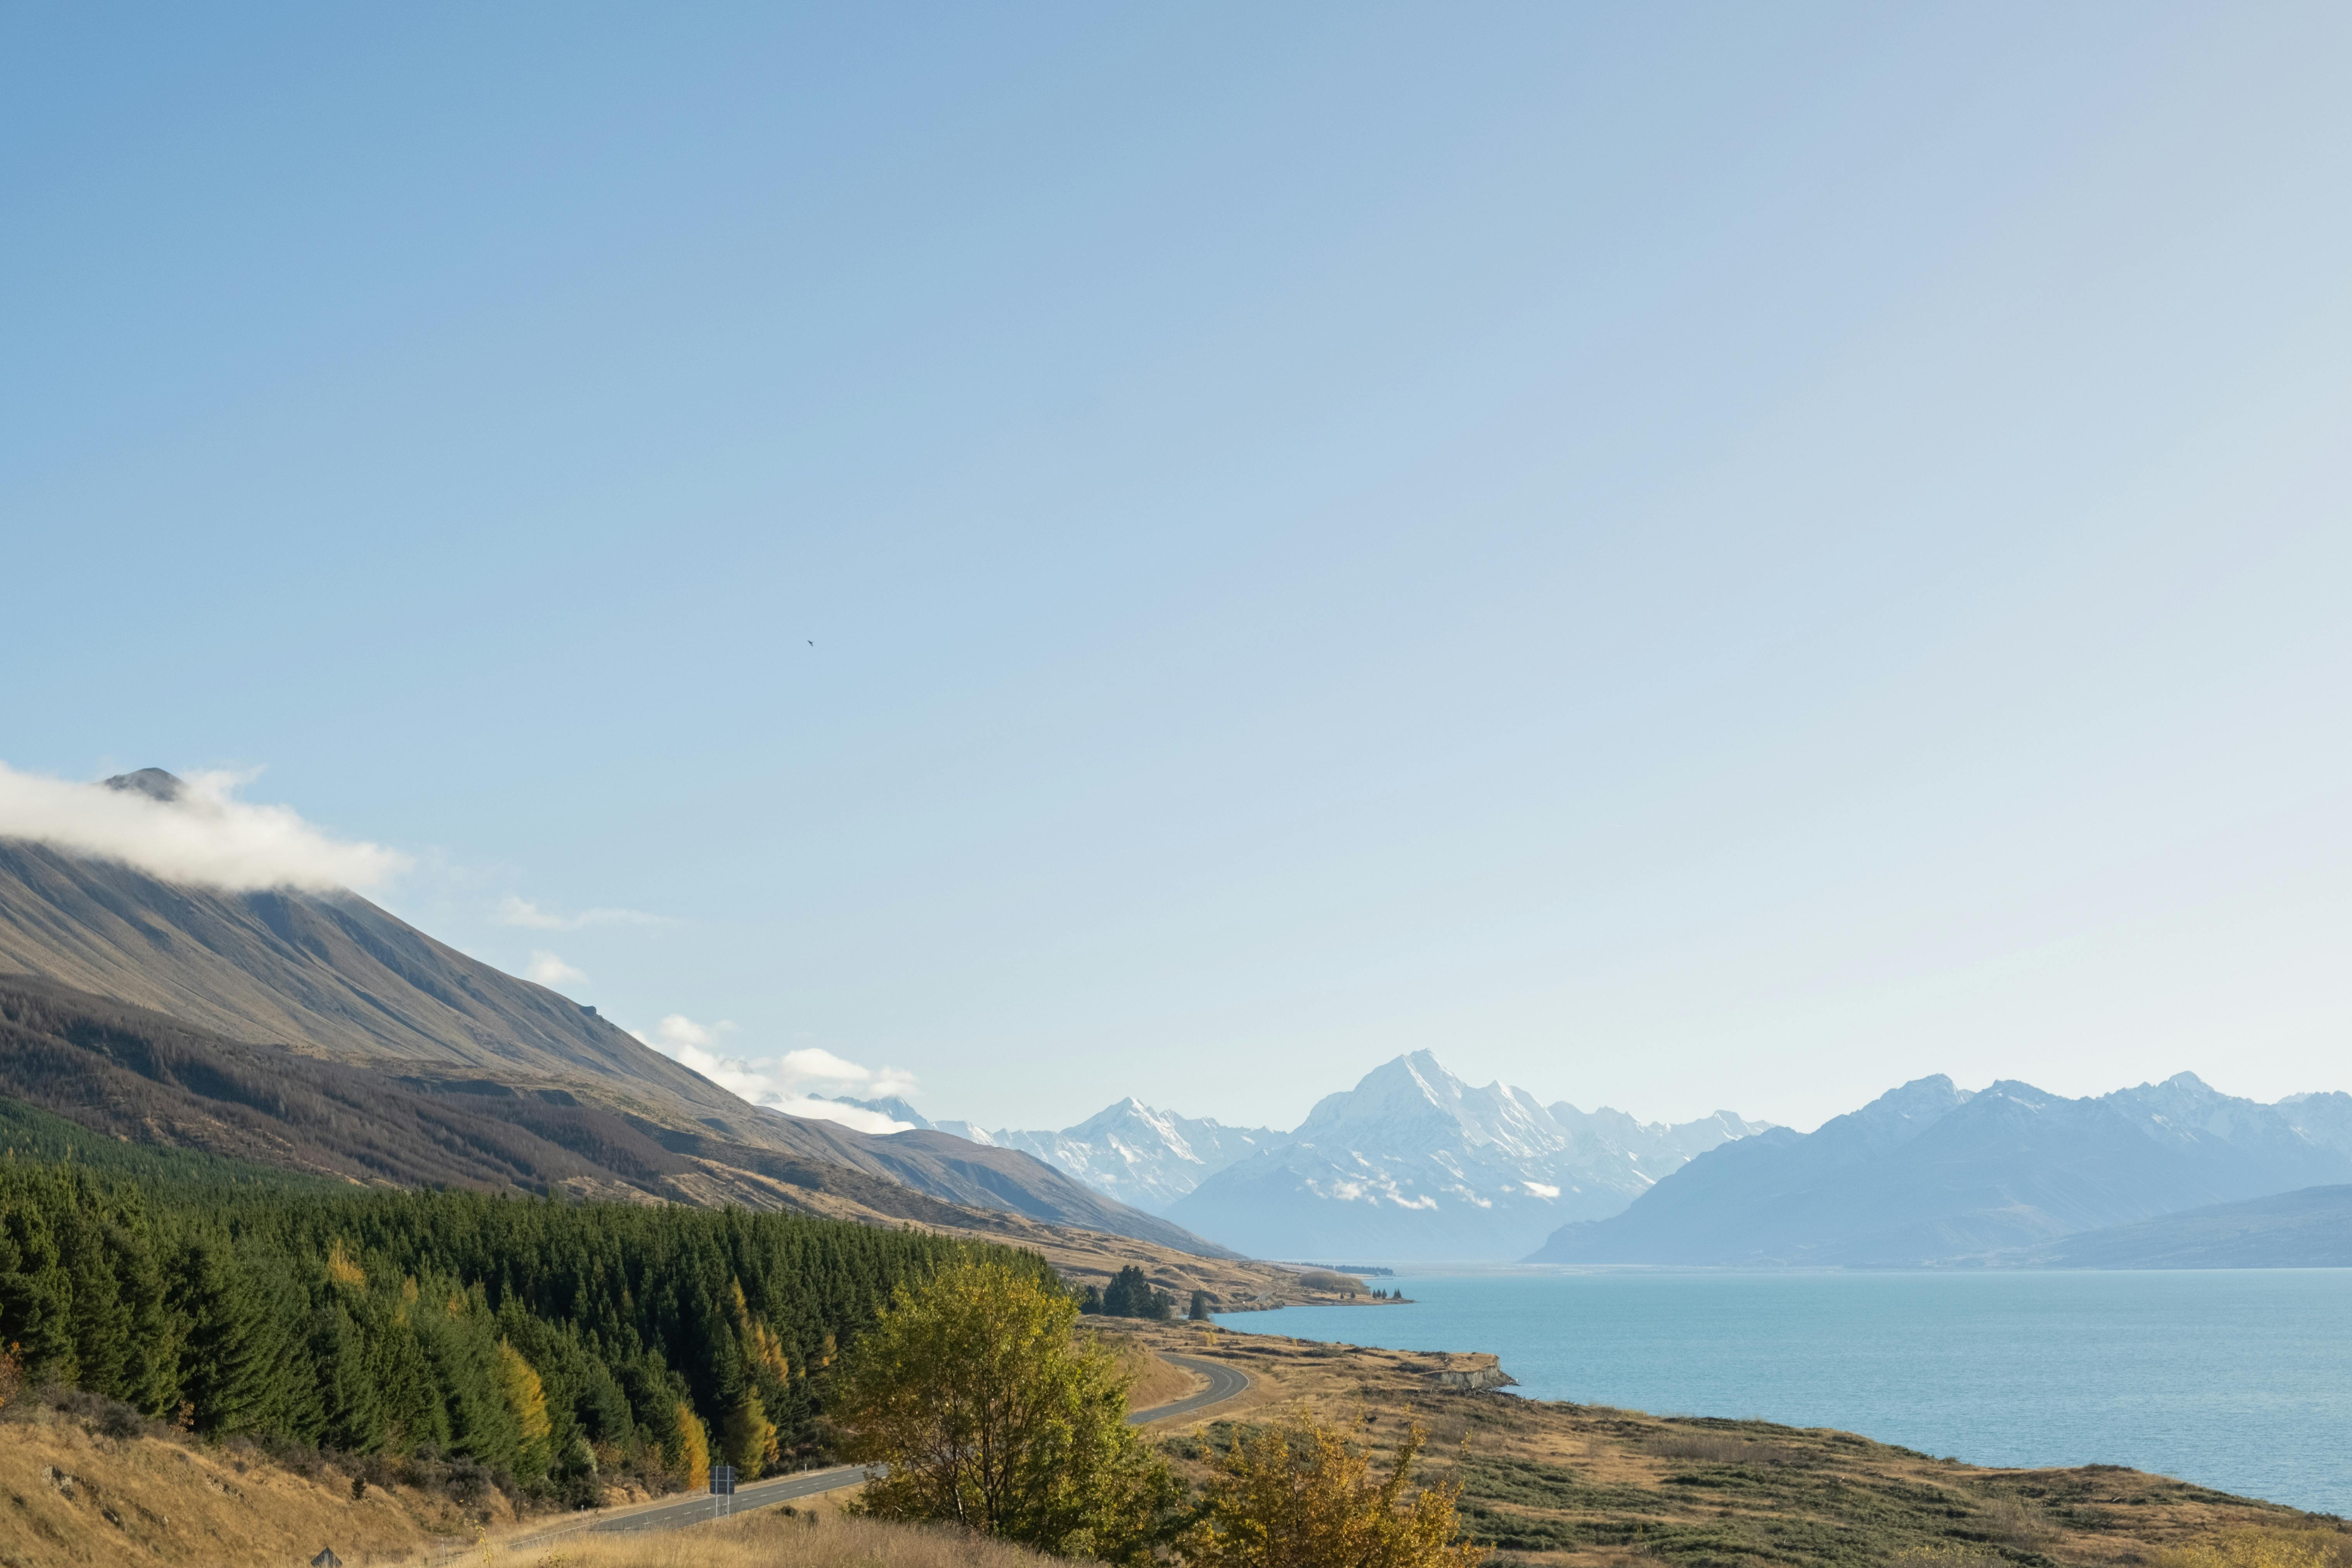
539	1343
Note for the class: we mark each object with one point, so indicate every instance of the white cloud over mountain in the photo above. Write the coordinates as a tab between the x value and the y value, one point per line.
792	1082
190	830
517	911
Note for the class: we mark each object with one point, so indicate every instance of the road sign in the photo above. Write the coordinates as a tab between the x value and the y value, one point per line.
722	1480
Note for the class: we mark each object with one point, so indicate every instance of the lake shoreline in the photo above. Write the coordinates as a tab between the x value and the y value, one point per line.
2239	1380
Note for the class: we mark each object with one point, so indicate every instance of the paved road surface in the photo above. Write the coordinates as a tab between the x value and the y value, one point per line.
1224	1382
759	1494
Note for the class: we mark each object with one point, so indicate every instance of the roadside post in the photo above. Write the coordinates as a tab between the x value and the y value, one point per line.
722	1485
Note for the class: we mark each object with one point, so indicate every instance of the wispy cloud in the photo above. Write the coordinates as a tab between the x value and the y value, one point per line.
514	912
790	1082
205	835
548	970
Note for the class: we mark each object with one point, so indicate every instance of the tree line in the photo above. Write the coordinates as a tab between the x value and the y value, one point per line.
1131	1295
548	1341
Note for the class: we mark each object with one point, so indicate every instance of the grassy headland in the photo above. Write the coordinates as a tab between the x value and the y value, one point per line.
1550	1482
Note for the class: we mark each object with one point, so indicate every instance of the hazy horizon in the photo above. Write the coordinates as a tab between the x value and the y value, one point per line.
1687	559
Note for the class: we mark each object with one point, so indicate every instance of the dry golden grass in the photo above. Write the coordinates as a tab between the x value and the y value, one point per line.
2012	1521
1717	1448
2264	1548
70	1497
773	1538
1946	1557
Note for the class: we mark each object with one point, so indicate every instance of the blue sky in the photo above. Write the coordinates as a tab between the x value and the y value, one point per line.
1680	556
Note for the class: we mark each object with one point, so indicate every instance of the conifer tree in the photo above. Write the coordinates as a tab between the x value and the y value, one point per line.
36	1293
747	1438
408	1398
230	1358
101	1320
352	1407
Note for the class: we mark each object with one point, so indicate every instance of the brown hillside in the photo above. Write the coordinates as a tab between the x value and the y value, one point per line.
146	1079
331	973
336	979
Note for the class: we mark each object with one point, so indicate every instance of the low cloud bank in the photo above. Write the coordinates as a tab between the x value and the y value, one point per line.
203	834
790	1083
514	912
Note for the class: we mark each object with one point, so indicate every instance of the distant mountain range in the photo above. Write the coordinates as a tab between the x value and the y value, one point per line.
1932	1174
1151	1159
1143	1157
1410	1163
1414	1164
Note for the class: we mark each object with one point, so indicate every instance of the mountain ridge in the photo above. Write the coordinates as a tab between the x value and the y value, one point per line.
2307	1227
1929	1172
1159	1160
332	973
258	983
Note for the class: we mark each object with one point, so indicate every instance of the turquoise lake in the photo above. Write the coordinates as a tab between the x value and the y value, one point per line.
2235	1379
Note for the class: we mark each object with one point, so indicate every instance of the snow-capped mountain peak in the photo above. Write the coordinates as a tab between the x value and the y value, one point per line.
1142	1156
1414	1162
1413	1106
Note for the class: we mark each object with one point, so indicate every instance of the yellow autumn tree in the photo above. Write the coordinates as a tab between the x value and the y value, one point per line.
994	1413
764	1348
690	1449
343	1270
527	1397
1298	1494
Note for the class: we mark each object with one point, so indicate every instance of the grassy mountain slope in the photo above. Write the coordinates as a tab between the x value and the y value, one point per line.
322	1032
141	1078
330	974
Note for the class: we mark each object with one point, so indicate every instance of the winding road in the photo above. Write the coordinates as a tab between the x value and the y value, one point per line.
1224	1382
